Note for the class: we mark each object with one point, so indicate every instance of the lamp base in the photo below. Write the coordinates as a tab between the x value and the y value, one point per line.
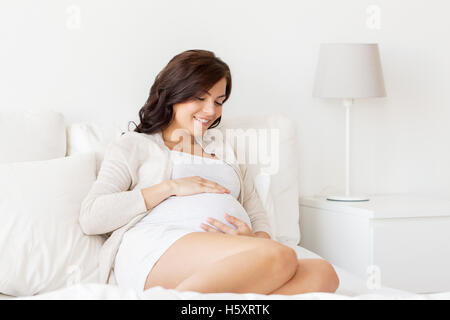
349	198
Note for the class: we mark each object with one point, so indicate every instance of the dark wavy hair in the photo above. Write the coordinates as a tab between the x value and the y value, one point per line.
185	76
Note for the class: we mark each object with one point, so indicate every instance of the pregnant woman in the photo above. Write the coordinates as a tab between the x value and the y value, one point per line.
179	213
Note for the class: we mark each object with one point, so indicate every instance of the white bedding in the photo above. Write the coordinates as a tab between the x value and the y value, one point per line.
351	287
283	188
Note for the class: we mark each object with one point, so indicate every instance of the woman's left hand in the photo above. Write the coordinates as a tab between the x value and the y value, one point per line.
241	229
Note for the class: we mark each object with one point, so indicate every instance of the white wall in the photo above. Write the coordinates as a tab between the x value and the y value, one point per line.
103	64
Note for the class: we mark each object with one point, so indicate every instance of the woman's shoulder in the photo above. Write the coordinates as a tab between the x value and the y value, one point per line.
131	140
133	137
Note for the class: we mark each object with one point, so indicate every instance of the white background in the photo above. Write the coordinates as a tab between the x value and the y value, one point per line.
96	59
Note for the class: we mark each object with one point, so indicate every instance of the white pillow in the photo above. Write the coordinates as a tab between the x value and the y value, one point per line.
42	247
31	135
90	137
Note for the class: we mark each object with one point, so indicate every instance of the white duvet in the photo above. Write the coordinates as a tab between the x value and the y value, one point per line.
112	292
351	287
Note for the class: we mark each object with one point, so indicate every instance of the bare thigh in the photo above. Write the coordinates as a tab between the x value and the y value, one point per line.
194	250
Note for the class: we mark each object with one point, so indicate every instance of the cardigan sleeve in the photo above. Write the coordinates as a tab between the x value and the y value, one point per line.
253	205
110	203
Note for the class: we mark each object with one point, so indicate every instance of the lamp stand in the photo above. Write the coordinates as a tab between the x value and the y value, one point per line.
347	197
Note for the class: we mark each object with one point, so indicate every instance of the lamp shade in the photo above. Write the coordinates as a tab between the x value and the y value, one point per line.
349	71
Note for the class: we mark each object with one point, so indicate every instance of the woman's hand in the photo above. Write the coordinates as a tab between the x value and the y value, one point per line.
242	229
193	185
179	187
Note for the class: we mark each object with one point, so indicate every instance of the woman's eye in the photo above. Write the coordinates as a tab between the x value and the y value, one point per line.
202	99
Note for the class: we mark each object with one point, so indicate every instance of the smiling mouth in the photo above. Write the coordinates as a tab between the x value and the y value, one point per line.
204	122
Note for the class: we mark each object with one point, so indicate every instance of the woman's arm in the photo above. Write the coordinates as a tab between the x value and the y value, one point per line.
110	204
156	194
254	207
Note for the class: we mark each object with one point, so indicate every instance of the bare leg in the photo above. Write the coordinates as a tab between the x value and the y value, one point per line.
249	271
312	275
213	262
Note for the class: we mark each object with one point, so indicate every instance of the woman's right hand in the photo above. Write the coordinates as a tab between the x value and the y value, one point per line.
194	185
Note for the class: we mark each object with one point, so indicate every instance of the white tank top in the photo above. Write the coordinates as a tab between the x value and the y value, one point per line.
190	211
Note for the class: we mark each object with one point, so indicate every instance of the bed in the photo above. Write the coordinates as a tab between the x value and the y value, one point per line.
44	148
351	287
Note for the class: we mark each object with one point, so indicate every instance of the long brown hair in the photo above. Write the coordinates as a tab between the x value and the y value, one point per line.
186	75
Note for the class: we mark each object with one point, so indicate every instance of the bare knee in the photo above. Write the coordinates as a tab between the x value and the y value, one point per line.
328	281
284	259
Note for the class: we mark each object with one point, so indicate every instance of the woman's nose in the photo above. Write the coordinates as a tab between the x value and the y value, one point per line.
209	108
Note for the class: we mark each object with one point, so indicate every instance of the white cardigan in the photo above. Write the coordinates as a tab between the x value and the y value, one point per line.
135	161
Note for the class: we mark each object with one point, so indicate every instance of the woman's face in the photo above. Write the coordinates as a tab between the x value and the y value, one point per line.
198	114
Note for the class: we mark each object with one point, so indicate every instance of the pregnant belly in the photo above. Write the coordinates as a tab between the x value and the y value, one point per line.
191	211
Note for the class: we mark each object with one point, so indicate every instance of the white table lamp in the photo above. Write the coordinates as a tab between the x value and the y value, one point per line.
349	71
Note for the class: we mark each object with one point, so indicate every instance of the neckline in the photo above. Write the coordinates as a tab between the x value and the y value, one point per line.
194	155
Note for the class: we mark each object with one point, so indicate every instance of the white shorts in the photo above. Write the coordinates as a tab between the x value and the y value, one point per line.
140	249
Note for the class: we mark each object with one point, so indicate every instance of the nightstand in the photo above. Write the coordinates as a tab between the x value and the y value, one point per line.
405	239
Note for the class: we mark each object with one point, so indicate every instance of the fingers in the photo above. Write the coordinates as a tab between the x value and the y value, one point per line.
236	222
208	228
194	185
212	186
215	190
222	226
